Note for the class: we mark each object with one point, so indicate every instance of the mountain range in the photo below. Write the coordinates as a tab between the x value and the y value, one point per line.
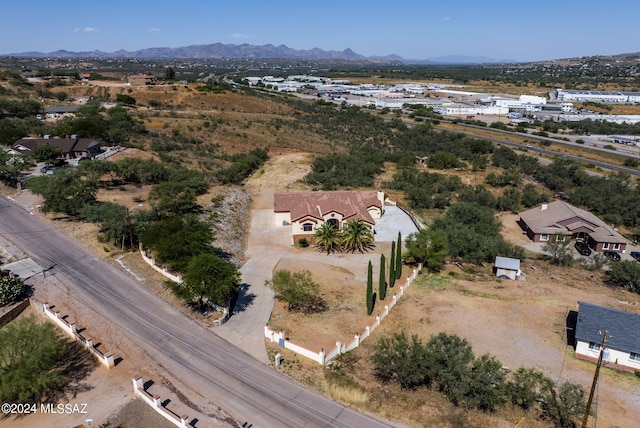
220	50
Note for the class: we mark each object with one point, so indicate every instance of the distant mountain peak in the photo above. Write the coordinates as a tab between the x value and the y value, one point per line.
219	50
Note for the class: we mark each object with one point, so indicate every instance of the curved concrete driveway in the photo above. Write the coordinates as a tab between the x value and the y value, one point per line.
266	245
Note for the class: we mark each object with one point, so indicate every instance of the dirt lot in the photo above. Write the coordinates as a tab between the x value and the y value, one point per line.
522	323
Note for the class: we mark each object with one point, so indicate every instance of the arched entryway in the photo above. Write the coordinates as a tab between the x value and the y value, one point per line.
334	223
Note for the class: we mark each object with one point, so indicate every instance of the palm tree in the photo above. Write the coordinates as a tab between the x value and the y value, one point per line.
356	236
327	239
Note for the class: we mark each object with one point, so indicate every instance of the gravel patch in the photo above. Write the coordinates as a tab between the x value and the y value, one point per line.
138	414
229	214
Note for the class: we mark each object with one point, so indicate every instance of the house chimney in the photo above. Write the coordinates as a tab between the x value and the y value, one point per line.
544	206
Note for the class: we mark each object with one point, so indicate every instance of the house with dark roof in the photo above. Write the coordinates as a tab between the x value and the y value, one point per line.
305	212
622	349
57	111
562	218
72	148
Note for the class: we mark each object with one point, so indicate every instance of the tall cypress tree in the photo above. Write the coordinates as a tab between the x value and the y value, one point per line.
392	265
398	269
382	286
369	289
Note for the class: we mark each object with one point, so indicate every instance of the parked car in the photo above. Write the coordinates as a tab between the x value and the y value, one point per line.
635	255
49	169
583	248
612	255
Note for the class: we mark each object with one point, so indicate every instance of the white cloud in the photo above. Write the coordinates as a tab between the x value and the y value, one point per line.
239	36
85	30
153	30
446	18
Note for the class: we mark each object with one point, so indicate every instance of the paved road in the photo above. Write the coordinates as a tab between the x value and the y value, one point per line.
211	367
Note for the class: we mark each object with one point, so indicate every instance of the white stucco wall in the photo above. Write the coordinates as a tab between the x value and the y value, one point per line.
334	215
506	272
610	355
375	212
297	228
281	218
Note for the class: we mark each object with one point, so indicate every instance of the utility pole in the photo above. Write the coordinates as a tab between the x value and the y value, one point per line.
595	380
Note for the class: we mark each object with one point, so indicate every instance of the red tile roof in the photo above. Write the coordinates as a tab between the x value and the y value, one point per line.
351	204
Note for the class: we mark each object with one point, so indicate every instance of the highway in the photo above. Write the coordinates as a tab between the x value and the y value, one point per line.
543	151
210	366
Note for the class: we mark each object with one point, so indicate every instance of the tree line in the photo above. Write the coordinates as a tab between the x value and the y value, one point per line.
171	228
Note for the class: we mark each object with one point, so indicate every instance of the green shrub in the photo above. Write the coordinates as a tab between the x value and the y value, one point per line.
11	289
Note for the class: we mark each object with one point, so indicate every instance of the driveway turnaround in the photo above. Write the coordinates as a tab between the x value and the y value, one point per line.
393	221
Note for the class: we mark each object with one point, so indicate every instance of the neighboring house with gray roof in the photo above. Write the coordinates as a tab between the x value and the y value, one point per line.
307	211
72	148
560	217
57	111
622	349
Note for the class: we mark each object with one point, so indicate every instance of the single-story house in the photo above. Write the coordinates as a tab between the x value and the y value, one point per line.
560	217
622	349
141	79
506	266
57	111
72	148
307	211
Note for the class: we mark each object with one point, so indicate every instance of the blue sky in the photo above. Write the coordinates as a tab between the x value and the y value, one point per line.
414	29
